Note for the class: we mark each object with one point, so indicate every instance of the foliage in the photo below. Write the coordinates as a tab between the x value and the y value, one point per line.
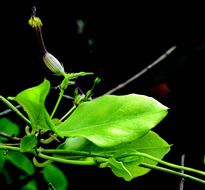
107	131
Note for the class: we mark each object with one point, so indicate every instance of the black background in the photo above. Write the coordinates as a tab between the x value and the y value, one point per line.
126	37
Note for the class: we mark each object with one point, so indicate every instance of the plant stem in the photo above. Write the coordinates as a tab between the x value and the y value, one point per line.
98	158
58	102
6	147
70	152
64	84
143	71
168	163
2	134
12	107
172	172
70	111
65	161
56	151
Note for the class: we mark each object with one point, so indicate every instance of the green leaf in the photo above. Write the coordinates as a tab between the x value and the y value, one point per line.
32	100
151	144
2	159
119	169
31	185
126	153
28	143
55	176
21	161
9	127
111	120
3	170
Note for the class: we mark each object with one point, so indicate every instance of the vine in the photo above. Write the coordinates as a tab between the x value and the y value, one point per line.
108	131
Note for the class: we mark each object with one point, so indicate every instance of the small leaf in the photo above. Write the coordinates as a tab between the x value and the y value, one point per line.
32	100
119	169
56	177
28	143
111	120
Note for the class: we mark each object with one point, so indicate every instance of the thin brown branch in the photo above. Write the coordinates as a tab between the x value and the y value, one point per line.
11	137
181	184
162	57
7	111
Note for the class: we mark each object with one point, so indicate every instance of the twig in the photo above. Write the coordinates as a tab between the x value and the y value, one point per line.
162	57
181	185
7	111
11	137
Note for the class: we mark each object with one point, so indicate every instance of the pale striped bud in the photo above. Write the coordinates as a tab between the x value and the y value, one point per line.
53	64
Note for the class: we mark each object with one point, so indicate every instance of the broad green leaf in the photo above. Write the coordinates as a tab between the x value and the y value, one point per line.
56	177
32	100
111	120
28	143
151	144
9	127
21	161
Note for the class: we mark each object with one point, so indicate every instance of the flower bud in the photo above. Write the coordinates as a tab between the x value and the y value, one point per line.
53	64
35	22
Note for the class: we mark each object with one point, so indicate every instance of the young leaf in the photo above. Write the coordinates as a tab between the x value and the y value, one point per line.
56	177
119	169
111	120
28	143
32	100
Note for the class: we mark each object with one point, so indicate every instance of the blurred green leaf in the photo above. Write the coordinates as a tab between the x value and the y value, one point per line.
21	161
56	177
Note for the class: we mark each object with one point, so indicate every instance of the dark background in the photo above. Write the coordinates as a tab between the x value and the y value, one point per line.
126	37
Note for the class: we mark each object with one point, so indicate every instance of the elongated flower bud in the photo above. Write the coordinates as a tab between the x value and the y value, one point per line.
53	64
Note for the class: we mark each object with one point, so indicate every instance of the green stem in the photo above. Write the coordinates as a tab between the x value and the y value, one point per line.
6	147
58	102
79	153
65	161
98	158
41	164
56	151
168	163
12	107
172	172
70	111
